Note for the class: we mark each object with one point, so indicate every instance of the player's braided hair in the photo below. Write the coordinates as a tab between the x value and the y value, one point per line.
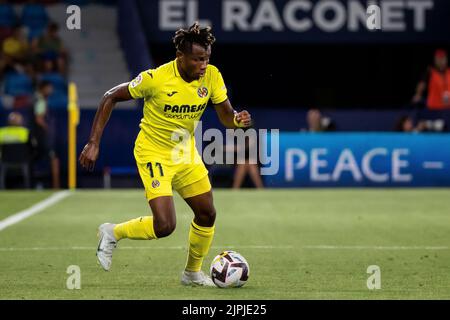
184	39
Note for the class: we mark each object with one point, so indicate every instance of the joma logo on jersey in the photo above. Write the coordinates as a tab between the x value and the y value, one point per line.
185	108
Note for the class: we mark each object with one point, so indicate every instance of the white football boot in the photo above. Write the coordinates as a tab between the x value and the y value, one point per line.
190	278
106	244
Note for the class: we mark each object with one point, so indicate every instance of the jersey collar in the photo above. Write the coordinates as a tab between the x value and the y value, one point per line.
177	74
175	68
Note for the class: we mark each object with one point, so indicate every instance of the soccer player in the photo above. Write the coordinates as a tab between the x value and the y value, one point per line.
175	96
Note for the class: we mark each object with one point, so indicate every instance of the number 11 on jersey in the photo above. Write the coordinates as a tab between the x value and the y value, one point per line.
158	165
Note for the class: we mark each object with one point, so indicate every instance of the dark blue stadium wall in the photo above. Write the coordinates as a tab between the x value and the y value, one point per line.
120	133
132	37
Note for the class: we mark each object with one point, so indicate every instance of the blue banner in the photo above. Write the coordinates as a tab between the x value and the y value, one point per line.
361	159
302	21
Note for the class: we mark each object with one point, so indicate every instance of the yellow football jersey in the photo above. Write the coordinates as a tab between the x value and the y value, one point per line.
172	107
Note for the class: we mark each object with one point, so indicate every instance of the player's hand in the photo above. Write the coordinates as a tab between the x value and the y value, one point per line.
89	155
244	118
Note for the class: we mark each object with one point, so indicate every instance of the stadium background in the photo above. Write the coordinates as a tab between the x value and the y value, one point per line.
321	240
362	80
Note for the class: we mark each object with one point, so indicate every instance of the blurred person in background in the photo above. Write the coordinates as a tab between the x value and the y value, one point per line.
49	46
16	146
406	124
250	167
436	82
317	123
43	131
15	48
15	131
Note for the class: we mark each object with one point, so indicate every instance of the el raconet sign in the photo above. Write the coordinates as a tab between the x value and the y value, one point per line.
304	21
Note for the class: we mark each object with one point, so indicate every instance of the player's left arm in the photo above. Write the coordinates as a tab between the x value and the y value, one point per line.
230	118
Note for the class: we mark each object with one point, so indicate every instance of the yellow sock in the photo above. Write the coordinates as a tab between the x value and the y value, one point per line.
139	228
200	239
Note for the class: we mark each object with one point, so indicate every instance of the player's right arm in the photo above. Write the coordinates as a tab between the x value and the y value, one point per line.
91	150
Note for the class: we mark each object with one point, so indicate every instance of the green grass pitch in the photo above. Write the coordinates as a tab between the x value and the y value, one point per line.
300	244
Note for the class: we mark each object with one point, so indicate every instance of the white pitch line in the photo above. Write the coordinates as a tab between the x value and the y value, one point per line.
38	207
260	247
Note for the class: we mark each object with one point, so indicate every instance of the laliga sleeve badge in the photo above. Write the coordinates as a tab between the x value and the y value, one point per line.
136	81
155	184
202	92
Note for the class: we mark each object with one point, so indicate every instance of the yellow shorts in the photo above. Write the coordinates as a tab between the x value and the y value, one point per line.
159	177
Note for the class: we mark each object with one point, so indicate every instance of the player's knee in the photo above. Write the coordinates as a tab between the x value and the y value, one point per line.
207	216
164	229
212	215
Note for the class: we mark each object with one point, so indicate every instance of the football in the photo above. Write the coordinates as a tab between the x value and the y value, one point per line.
229	269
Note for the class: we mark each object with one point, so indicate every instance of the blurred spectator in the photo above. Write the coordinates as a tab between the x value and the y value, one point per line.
25	61
44	131
437	84
406	124
49	46
15	131
15	149
15	47
35	18
317	123
250	167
